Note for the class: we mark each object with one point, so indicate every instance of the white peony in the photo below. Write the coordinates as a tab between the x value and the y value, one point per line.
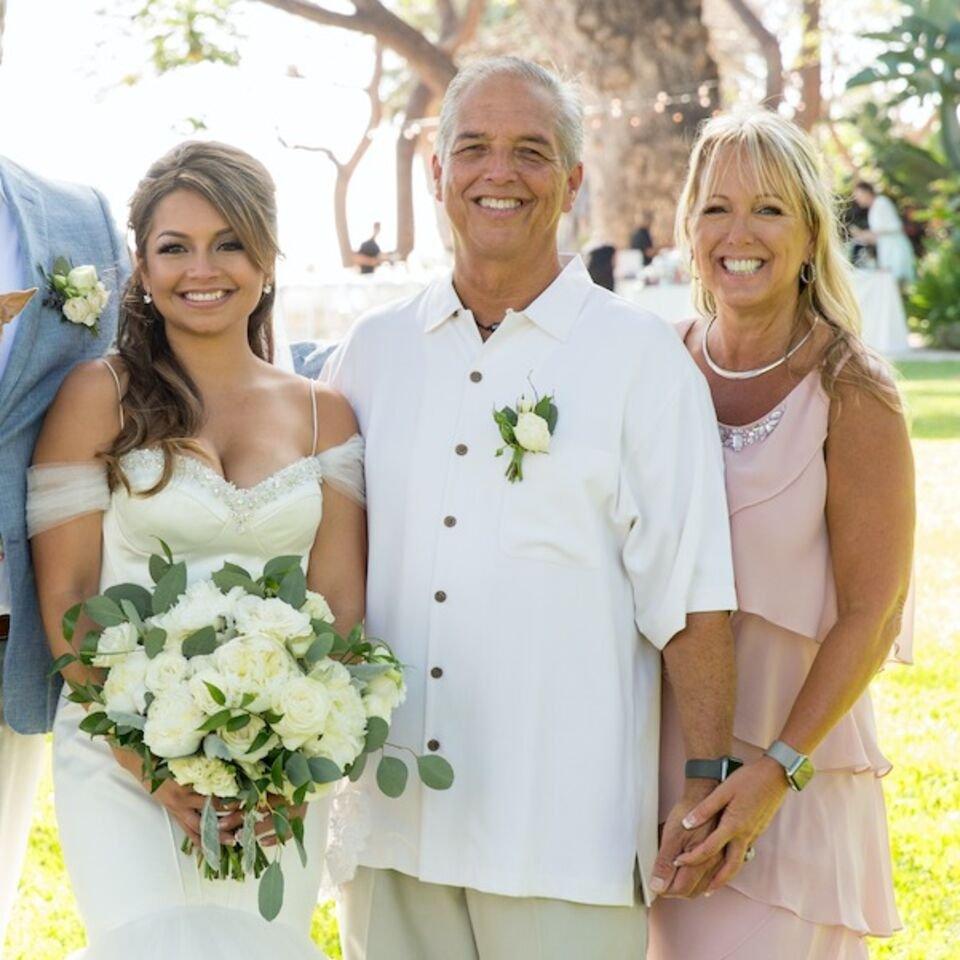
202	605
384	693
172	721
532	432
317	608
255	664
332	674
304	703
125	688
274	618
166	671
344	731
98	297
114	641
239	741
208	776
83	279
79	310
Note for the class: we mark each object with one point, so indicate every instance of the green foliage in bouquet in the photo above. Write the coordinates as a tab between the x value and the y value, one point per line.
233	739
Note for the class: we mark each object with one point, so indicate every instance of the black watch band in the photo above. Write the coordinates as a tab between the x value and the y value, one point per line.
718	769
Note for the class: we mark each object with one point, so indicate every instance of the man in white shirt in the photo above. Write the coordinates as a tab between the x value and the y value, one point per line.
532	614
40	221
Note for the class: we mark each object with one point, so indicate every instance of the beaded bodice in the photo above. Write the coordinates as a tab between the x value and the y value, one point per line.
736	438
206	520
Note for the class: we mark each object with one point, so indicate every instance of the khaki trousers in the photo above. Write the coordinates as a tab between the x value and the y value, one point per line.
386	915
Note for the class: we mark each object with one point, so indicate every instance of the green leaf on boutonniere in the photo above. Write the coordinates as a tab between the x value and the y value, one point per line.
61	267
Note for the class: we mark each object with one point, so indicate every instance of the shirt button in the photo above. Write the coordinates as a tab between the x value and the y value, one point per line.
461	449
476	376
449	521
440	596
436	673
433	745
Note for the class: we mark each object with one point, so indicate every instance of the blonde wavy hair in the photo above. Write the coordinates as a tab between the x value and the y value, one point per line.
787	164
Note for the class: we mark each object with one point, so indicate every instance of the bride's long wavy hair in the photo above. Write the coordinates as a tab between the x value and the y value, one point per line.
161	404
787	164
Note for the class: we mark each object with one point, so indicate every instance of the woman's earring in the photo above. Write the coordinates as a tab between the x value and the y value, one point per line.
808	273
146	297
267	288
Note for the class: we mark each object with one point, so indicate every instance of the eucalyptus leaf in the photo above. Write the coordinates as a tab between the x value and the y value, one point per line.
270	891
236	568
92	722
210	835
226	580
368	671
104	611
61	266
133	720
296	825
281	825
158	567
132	613
60	663
278	567
133	593
154	640
298	769
167	552
293	587
324	770
357	767
392	776
69	622
199	643
435	772
248	840
319	649
169	588
377	730
213	746
276	772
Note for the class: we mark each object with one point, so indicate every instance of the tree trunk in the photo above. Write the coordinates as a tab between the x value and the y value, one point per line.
628	52
418	105
811	108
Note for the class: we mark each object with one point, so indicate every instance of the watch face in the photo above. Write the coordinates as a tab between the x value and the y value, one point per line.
800	775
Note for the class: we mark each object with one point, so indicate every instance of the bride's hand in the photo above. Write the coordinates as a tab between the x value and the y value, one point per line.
182	803
266	830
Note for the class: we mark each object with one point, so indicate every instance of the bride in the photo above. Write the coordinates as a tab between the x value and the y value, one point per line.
189	434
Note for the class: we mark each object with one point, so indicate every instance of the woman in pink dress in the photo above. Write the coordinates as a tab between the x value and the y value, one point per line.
820	487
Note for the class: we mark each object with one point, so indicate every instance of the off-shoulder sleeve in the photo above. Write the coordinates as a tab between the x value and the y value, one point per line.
60	492
342	467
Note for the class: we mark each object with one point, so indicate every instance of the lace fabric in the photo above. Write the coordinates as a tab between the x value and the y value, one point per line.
60	492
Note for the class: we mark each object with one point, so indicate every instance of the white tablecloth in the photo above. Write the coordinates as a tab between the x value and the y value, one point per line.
881	308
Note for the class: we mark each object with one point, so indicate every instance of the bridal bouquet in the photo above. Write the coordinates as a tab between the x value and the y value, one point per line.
242	689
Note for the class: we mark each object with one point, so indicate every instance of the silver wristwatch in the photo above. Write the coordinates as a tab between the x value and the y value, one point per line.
796	766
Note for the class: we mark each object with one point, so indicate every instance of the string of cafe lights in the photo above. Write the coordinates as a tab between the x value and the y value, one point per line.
617	108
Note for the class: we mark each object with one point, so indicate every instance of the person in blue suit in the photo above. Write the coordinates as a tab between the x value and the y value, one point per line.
45	227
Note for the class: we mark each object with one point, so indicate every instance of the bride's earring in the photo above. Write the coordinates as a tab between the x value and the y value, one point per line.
267	288
146	297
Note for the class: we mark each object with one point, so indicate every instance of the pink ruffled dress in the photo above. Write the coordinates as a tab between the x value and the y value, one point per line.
825	856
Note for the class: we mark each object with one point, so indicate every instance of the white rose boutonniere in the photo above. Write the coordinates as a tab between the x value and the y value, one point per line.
526	429
77	292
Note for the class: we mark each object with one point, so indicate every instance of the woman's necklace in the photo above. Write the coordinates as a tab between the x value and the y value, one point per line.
747	374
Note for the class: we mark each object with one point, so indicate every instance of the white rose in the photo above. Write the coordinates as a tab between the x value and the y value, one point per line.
77	310
201	694
125	689
383	694
238	741
166	671
524	405
209	776
255	664
332	674
171	727
304	704
532	433
275	618
317	608
83	279
114	641
98	297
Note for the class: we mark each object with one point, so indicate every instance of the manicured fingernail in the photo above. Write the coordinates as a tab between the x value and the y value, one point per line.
689	821
657	885
678	862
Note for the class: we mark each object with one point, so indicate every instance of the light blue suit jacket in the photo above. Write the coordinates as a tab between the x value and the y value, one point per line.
54	220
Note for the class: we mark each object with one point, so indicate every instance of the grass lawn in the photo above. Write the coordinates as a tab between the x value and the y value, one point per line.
918	712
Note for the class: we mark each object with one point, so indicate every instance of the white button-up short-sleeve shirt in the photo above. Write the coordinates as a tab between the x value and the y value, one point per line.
532	614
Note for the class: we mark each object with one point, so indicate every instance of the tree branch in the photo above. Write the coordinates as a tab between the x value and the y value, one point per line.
769	47
433	65
465	29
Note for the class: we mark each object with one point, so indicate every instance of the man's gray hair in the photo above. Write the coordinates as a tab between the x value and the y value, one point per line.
568	114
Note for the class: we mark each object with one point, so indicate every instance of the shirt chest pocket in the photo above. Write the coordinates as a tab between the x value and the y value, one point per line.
557	513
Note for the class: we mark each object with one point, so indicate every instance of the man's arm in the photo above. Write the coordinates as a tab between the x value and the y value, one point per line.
700	668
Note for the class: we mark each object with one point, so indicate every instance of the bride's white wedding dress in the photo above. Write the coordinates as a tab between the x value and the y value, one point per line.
139	895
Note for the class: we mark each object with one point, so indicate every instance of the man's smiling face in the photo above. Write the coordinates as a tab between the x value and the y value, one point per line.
503	182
